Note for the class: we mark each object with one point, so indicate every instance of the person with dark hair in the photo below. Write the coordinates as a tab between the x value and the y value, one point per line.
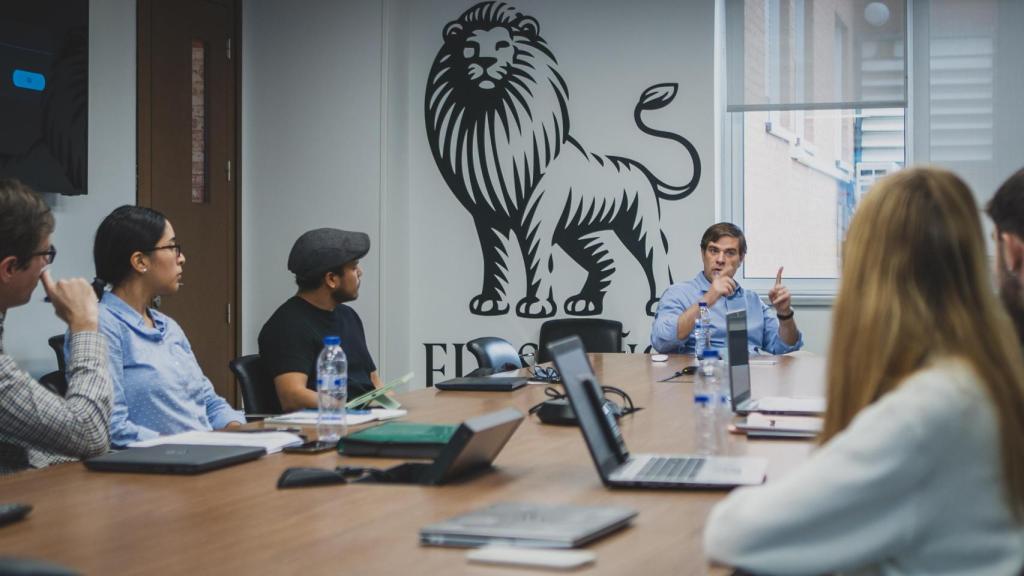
722	249
1006	208
325	262
159	387
37	427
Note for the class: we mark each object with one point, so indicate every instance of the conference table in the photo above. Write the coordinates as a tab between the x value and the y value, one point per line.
235	520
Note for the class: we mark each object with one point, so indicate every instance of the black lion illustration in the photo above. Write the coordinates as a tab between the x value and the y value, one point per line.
498	124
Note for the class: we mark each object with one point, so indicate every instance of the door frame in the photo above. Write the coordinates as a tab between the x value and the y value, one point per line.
144	140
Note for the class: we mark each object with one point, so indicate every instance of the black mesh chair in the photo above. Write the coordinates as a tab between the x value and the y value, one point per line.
55	382
597	334
57	343
494	353
258	392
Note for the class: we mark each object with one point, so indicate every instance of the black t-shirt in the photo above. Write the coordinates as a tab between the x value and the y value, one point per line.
294	336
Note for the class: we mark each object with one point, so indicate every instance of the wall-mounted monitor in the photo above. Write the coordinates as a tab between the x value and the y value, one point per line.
44	94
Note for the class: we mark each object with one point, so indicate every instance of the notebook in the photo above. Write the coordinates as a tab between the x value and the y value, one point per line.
528	525
739	378
398	440
615	465
484	384
174	458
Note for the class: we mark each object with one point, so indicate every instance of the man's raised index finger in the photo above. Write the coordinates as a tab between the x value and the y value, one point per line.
778	276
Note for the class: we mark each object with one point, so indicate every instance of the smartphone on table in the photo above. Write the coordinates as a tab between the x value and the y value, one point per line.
312	447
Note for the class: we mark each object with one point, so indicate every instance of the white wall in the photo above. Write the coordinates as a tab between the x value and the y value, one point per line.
333	135
311	144
111	177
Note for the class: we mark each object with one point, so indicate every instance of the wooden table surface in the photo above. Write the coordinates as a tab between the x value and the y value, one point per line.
235	520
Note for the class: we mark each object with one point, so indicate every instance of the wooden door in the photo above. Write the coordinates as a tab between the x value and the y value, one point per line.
187	113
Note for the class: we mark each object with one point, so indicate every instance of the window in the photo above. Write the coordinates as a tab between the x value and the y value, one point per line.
818	107
816	101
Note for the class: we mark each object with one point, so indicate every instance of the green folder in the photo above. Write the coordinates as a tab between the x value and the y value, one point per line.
398	440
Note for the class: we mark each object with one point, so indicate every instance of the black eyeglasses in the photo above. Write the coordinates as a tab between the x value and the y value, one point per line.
545	374
176	247
50	254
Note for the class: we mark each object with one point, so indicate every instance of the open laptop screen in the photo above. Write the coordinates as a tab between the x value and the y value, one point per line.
739	364
601	431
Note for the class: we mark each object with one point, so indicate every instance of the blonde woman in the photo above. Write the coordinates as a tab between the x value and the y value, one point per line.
921	468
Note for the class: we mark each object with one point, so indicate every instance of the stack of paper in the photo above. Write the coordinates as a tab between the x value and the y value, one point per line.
271	441
352	418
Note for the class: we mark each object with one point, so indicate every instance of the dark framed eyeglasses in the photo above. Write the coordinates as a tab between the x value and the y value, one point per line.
176	247
50	254
545	374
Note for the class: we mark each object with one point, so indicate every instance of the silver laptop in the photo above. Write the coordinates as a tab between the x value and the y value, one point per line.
739	378
528	525
615	464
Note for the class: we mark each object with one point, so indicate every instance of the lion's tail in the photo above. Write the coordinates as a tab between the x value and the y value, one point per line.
655	97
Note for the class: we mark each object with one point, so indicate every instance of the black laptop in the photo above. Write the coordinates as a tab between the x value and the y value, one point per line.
484	383
174	458
615	464
473	447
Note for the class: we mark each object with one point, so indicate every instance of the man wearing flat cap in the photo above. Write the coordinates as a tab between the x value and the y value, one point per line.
325	262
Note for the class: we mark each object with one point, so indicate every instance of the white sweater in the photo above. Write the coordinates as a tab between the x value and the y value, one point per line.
914	485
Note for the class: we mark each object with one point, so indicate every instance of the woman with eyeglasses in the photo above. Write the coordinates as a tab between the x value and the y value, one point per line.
921	463
159	387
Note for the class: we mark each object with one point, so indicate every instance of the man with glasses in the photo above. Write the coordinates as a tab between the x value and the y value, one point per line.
722	249
325	262
37	427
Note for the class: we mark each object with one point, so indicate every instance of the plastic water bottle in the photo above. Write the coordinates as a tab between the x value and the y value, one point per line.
332	390
706	393
701	331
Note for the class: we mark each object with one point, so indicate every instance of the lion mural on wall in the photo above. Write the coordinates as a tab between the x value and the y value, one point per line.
498	123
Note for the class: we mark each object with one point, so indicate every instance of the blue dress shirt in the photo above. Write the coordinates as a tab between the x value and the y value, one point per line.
762	323
159	387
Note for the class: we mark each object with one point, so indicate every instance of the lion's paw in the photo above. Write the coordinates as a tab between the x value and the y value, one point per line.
531	307
484	306
580	305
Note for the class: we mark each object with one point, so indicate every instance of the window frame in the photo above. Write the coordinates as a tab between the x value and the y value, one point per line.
730	198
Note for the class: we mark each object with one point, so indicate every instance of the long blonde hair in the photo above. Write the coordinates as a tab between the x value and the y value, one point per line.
915	284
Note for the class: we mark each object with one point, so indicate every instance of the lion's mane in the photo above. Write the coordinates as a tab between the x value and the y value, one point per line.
493	146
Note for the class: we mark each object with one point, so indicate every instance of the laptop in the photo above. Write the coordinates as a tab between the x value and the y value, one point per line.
528	525
484	383
739	378
615	464
471	449
174	458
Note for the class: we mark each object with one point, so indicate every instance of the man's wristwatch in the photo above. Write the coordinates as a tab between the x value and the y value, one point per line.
786	316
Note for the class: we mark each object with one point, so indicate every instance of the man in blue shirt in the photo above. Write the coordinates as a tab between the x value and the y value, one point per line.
723	247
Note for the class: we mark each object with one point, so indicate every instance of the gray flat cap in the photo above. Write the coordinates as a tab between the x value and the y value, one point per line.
323	249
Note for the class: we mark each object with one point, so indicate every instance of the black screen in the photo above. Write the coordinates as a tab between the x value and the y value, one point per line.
600	430
739	364
44	94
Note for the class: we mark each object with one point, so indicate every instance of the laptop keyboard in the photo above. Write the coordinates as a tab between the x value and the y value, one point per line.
670	469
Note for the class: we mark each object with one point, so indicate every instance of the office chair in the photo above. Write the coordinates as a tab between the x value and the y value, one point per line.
598	335
57	343
258	392
494	353
55	382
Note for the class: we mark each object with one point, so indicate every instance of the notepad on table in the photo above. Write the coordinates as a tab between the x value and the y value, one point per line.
757	424
352	417
271	441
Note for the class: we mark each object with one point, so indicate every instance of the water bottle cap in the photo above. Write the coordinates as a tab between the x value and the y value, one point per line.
702	304
332	340
710	354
